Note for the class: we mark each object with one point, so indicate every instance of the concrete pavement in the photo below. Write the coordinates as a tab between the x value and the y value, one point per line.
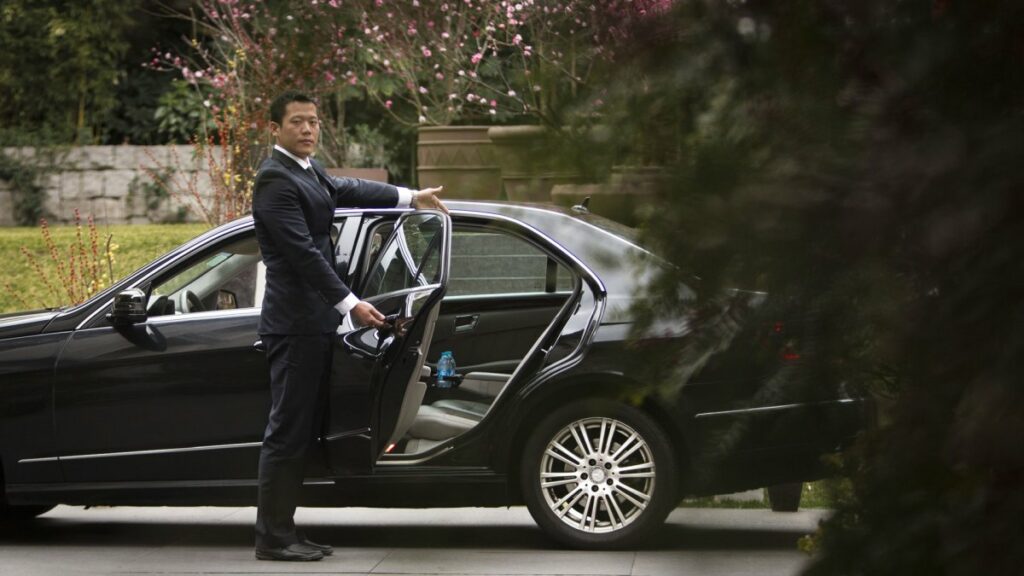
482	541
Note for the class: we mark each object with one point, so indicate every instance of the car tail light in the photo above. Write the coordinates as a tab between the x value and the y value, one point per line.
788	352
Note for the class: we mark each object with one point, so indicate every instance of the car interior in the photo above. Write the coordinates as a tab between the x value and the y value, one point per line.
503	292
228	279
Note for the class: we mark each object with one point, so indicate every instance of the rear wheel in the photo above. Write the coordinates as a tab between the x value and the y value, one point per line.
599	474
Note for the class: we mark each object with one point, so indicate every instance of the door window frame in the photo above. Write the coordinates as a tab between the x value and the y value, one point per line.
516	231
406	256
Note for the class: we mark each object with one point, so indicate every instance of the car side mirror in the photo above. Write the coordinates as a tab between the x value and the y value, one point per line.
129	308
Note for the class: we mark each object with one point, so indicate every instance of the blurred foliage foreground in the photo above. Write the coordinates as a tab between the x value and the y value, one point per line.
26	287
863	159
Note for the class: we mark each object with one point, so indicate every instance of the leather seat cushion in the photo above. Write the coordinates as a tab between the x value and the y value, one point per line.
417	445
463	408
436	424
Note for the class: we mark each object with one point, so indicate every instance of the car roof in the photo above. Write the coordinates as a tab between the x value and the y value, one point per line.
541	214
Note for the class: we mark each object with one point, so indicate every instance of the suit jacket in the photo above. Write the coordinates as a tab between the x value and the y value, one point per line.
294	214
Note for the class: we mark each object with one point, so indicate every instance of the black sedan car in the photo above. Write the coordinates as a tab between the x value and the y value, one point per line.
156	391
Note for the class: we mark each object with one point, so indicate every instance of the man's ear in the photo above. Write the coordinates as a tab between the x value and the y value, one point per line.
274	127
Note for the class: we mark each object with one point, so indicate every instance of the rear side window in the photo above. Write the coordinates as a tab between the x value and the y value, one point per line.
492	261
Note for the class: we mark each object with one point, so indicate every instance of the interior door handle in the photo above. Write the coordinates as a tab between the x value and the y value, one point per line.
390	324
466	323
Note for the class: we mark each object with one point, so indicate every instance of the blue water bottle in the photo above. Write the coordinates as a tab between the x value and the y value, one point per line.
445	369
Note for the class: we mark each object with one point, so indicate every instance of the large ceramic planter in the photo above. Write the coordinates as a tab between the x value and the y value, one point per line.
529	161
460	158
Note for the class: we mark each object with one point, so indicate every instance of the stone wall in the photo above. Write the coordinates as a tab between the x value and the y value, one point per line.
110	183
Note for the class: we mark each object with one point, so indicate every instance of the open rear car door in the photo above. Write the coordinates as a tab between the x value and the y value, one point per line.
376	384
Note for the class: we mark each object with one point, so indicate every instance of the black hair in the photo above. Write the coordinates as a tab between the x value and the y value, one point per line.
277	107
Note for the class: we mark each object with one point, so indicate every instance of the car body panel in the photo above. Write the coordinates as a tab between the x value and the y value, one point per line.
194	386
25	323
26	410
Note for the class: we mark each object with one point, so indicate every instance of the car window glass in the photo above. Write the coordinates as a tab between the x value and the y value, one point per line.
492	261
411	257
377	238
346	231
226	278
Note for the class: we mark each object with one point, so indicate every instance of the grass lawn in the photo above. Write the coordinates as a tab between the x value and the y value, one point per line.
136	245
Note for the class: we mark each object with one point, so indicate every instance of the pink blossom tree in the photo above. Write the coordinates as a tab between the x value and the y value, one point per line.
441	61
245	52
424	62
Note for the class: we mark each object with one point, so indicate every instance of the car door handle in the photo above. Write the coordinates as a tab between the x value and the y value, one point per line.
259	346
466	323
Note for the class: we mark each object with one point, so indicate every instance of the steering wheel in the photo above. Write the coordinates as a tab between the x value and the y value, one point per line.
192	302
157	305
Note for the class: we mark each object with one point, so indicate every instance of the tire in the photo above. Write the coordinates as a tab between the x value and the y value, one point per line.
785	497
609	496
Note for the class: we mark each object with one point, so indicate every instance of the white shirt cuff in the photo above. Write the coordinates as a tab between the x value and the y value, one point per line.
404	197
346	305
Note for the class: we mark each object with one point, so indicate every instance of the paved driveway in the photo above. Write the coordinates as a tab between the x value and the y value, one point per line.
704	542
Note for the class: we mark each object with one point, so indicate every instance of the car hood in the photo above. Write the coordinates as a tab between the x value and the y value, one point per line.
25	323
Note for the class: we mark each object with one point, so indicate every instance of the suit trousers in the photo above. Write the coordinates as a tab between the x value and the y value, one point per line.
299	377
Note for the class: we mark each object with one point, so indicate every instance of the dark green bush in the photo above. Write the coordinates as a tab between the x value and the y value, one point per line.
862	158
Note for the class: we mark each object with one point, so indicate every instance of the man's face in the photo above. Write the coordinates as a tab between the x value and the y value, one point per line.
299	129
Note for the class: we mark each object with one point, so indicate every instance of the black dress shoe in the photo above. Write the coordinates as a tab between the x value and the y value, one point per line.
291	553
323	548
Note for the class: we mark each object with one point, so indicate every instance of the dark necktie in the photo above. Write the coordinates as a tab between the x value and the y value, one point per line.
317	179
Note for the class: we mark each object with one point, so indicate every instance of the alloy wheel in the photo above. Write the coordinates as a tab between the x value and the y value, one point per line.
597	475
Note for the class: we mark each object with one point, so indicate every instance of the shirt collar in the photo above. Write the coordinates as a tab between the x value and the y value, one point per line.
302	162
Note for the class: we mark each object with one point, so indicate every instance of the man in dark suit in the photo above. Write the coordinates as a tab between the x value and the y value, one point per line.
303	303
